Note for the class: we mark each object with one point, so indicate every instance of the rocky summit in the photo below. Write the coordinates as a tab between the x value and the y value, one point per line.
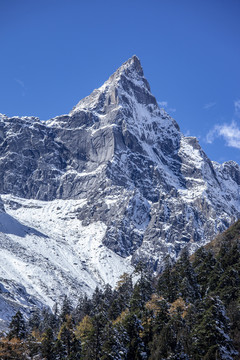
85	196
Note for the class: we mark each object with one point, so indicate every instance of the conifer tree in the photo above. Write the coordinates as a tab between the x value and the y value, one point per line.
70	345
86	333
211	338
147	321
114	343
169	343
162	316
230	255
115	309
228	287
142	290
135	345
96	301
167	283
125	287
48	345
188	287
66	309
17	326
233	312
34	320
49	320
214	277
203	264
108	295
82	309
59	350
121	299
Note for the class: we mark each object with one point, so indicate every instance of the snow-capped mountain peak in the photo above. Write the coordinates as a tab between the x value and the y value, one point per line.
114	181
128	79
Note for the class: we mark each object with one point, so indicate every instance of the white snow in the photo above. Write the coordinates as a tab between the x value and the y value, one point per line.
55	254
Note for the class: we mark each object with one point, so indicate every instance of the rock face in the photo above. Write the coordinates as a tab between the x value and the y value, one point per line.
13	297
125	160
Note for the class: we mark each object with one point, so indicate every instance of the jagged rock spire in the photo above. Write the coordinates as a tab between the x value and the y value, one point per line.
128	79
132	65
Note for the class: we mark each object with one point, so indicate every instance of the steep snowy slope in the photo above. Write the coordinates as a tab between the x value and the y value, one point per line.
89	193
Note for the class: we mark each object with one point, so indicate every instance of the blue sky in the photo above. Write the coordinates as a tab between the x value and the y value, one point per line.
55	52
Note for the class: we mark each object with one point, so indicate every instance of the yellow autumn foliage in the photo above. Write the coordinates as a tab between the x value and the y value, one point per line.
121	317
84	329
179	305
154	303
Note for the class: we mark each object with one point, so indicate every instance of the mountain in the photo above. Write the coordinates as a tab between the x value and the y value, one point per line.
86	195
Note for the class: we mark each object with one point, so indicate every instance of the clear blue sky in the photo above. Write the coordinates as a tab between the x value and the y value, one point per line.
55	52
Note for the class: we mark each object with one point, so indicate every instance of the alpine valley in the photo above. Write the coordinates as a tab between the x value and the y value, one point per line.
87	195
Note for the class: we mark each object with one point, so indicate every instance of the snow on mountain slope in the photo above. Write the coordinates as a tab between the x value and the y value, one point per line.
50	249
88	193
